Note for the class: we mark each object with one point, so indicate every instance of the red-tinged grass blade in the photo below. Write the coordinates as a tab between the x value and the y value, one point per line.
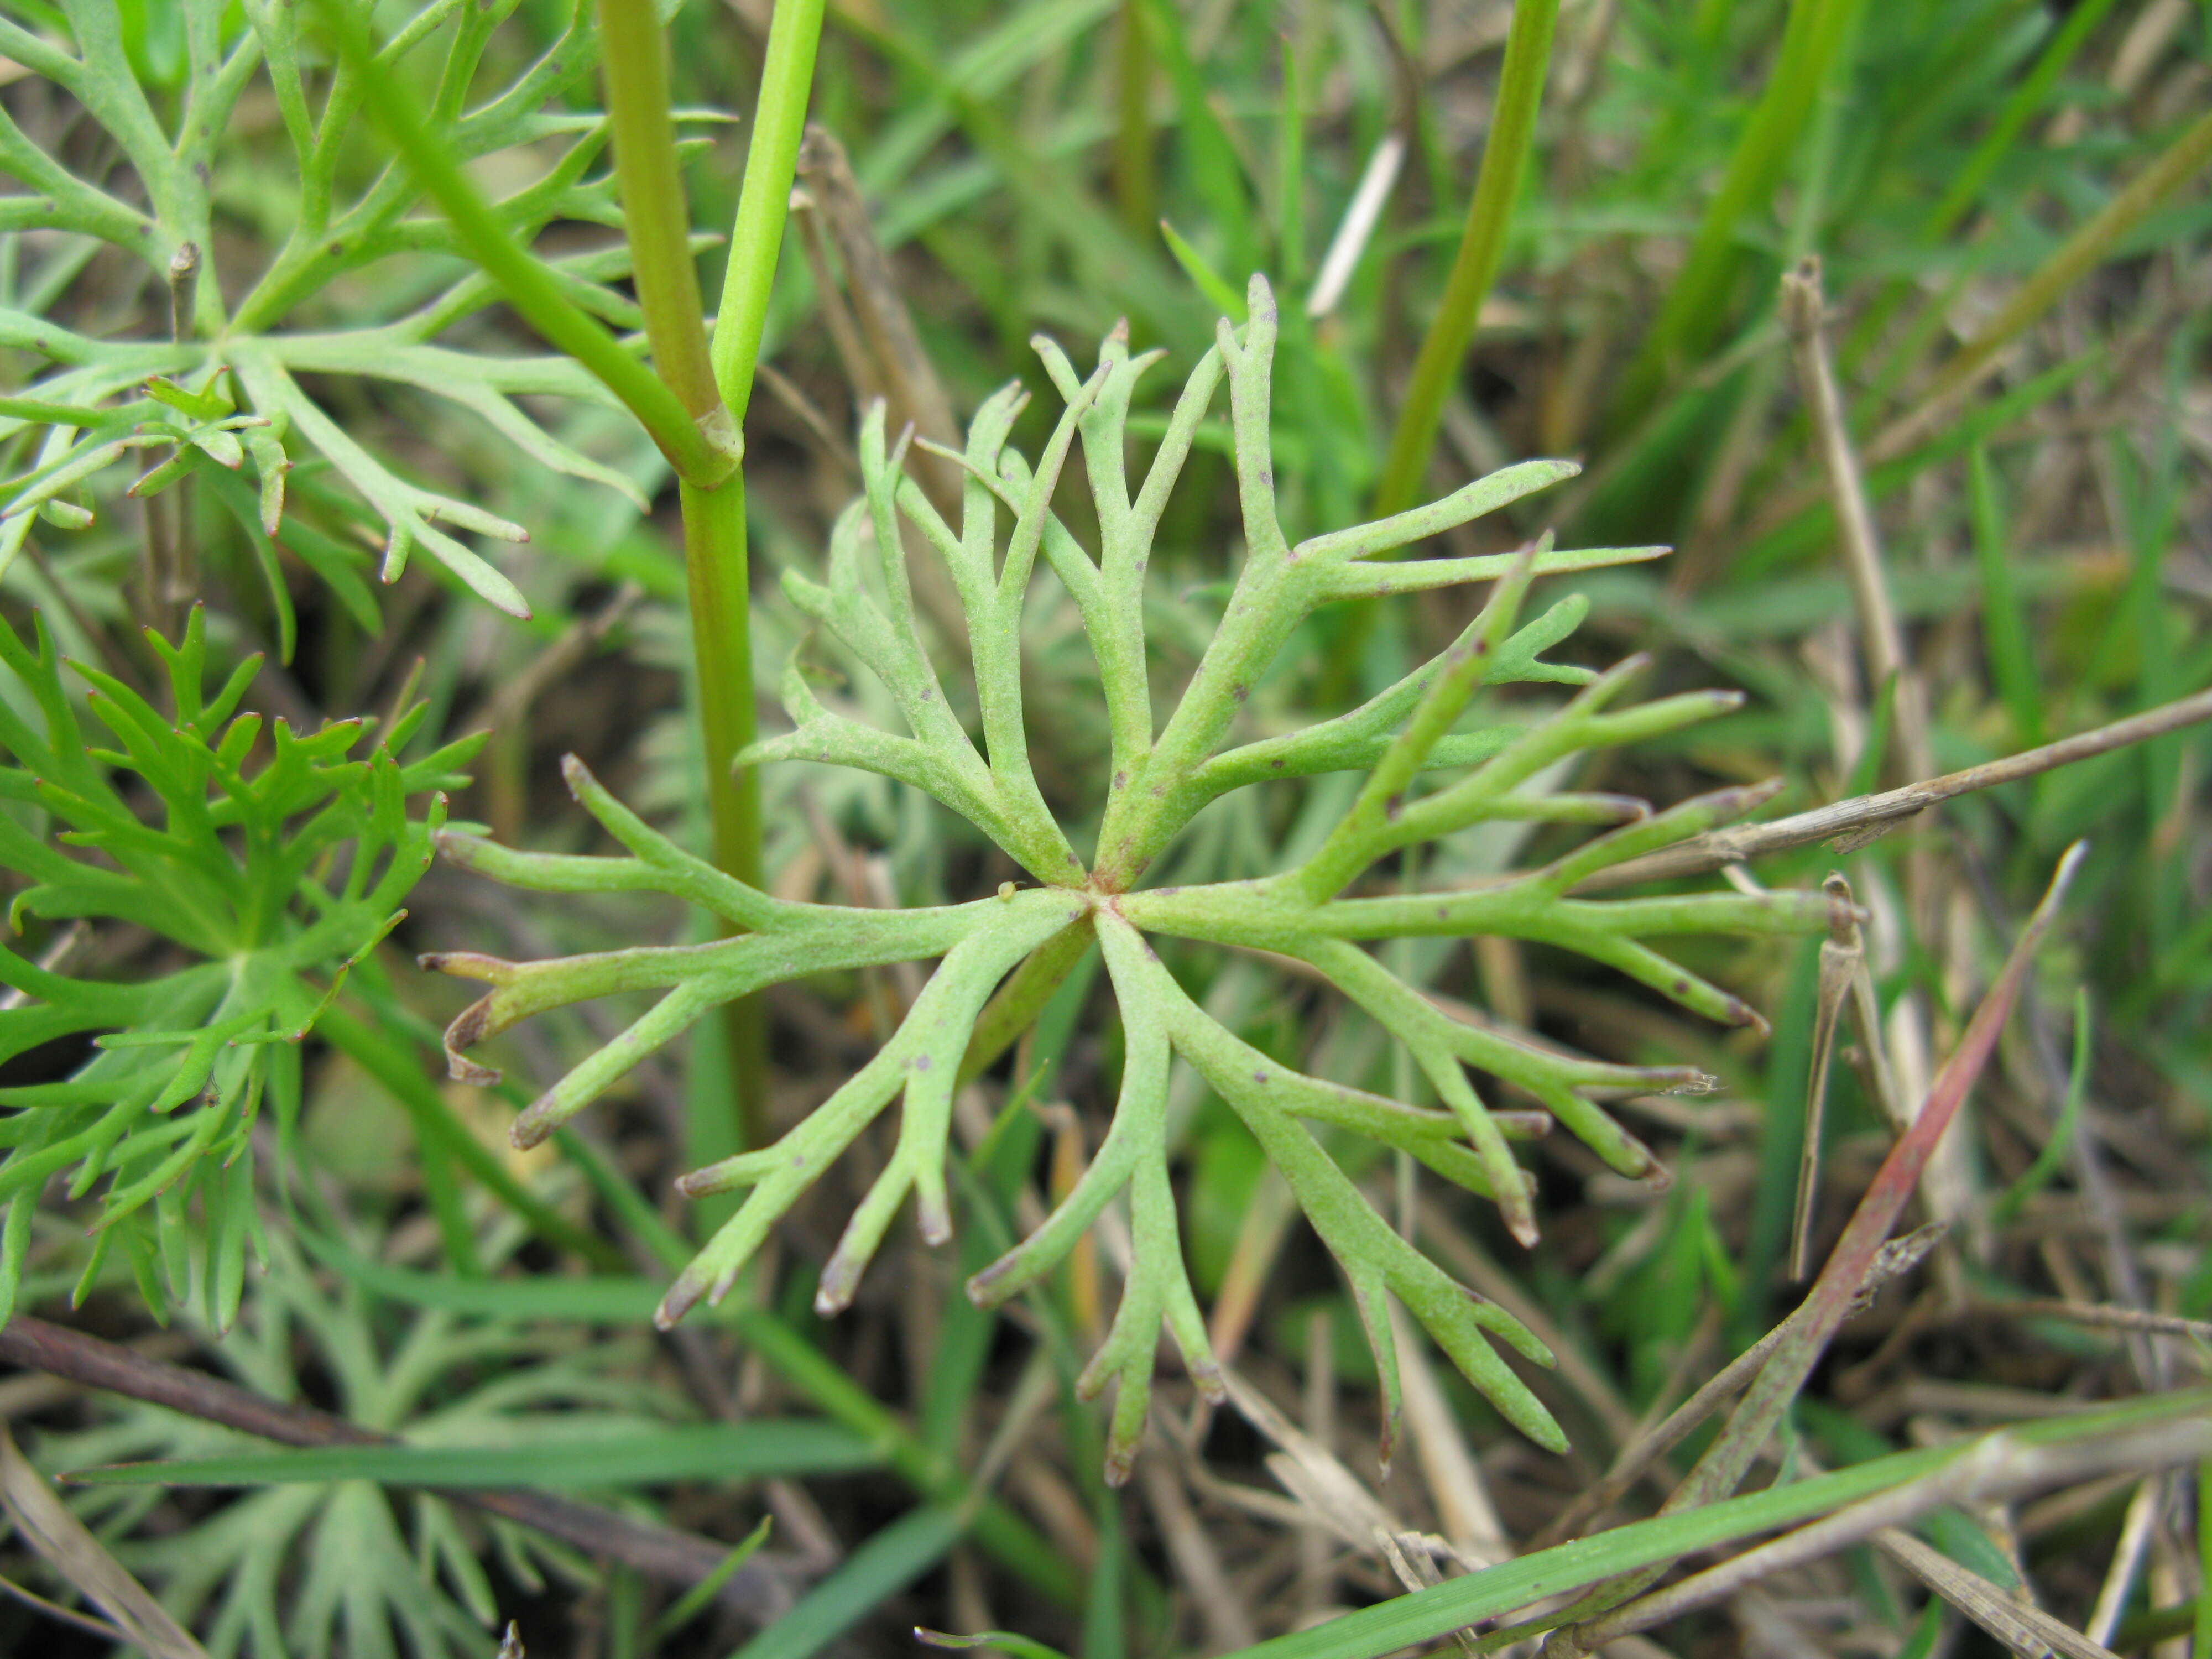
1892	1188
1722	1468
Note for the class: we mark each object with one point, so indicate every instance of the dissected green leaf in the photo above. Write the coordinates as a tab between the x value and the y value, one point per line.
332	1564
271	862
1162	776
251	335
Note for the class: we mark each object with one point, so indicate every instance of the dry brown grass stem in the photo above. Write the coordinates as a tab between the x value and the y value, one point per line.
2021	1626
1863	819
1803	313
902	371
1198	1563
2099	1314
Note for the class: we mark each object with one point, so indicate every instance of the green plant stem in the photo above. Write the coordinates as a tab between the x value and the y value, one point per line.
714	568
655	218
657	222
715	522
764	201
1481	247
522	280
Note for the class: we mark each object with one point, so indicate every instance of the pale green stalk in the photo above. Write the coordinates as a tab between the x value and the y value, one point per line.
657	223
764	200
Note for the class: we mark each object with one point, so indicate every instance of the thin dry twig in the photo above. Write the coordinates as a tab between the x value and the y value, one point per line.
556	661
2019	1625
1804	309
1316	1583
1328	1494
1863	818
1197	1563
2103	1316
902	367
1844	978
844	333
793	396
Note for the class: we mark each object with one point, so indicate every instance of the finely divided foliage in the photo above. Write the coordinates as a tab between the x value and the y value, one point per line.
266	343
317	1568
1163	774
277	859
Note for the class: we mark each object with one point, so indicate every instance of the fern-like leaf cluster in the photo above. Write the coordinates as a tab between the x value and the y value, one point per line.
274	860
1426	779
66	427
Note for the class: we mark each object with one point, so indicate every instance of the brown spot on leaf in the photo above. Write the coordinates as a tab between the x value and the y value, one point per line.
468	1029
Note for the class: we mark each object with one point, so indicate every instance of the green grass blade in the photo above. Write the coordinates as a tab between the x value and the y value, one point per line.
1695	308
1481	248
690	1605
870	1576
687	1451
1427	1615
1219	292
